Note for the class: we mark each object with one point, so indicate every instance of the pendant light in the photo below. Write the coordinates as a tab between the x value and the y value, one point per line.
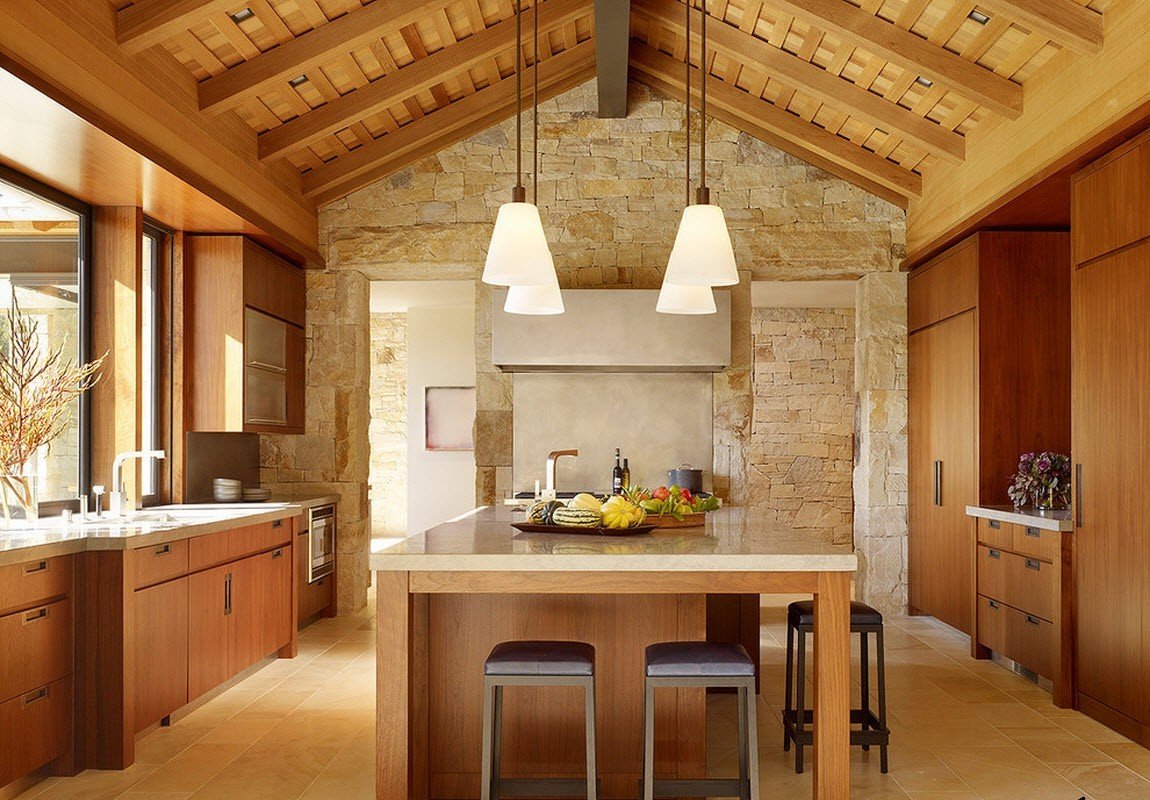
518	254
702	254
675	299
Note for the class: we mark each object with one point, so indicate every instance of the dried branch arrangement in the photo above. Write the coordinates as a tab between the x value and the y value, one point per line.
37	389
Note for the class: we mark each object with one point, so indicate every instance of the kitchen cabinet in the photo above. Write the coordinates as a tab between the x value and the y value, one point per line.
245	348
983	387
314	598
161	644
209	627
1111	422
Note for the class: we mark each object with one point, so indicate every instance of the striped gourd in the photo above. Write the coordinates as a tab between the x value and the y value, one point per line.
577	517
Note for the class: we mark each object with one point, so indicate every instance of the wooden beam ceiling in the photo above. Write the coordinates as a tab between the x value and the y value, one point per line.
782	129
437	130
418	76
910	52
612	34
149	22
296	56
827	87
1071	25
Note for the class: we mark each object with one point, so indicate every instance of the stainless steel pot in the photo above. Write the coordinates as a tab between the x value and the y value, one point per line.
685	477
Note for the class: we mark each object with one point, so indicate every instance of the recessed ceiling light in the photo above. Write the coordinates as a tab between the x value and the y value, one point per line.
242	14
921	81
298	80
978	17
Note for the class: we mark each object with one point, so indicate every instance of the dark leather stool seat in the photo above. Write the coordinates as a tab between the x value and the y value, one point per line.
574	659
698	660
802	612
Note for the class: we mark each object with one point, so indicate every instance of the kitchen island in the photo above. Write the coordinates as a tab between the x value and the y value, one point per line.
446	596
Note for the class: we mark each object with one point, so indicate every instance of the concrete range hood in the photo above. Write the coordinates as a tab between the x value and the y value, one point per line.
611	330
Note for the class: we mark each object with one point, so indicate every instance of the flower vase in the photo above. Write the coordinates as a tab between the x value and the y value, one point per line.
19	500
1044	500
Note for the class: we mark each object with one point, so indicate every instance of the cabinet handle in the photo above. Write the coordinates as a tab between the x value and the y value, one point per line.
266	421
39	566
277	554
992	603
1037	534
1032	620
994	553
1078	515
34	696
265	365
35	615
162	550
279	523
938	483
228	594
1033	563
995	524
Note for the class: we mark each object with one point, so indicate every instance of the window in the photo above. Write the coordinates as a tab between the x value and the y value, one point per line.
43	256
150	394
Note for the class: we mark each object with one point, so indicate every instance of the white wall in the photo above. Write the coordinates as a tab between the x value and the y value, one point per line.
440	352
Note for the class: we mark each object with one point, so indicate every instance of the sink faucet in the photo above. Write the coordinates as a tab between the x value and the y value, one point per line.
116	495
552	459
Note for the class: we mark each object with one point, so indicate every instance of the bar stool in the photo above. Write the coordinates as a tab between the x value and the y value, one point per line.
702	664
531	663
864	621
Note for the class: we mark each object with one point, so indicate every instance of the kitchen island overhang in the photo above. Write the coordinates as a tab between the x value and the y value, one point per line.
444	597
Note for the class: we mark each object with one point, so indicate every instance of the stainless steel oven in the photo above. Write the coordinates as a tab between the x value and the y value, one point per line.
320	542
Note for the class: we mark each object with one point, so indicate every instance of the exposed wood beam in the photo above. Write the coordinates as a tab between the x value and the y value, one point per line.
910	52
612	38
443	127
813	80
418	76
782	129
1064	22
280	64
149	22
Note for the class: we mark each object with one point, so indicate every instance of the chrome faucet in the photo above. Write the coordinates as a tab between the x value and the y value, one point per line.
552	460
116	496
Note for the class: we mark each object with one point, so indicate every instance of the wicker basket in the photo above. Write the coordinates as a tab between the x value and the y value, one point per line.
697	520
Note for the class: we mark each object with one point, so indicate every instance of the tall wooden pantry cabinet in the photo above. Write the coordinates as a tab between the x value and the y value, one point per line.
1111	436
988	377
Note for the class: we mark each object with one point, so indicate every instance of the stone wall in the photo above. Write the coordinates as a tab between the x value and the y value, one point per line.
802	439
611	192
388	428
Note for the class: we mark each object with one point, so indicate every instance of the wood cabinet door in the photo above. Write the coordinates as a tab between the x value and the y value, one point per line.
209	628
1110	386
262	597
276	606
920	495
161	642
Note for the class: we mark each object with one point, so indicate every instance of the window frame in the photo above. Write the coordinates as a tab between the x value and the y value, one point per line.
162	243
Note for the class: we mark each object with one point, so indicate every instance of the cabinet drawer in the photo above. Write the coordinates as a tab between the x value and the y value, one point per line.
1030	641
35	728
37	647
993	533
257	538
1020	581
32	581
209	550
992	624
160	562
1038	543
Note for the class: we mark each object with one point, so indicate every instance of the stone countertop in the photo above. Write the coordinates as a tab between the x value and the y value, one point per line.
150	526
1047	520
734	540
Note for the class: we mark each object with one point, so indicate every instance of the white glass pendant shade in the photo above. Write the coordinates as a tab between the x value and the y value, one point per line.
518	254
675	299
702	254
535	300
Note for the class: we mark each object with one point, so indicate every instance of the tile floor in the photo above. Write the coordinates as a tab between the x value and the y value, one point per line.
961	730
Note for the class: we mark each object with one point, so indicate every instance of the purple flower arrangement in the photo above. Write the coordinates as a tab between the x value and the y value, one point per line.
1044	479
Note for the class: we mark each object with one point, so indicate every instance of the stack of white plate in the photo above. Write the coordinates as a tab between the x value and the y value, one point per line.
227	490
256	495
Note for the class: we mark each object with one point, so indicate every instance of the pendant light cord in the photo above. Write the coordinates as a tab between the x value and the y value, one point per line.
535	106
703	107
688	95
517	194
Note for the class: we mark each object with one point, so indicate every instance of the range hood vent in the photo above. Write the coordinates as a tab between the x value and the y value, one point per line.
611	330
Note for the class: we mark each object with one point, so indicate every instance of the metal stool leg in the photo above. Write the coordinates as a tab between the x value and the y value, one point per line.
789	685
649	742
882	695
589	728
744	747
752	739
497	743
800	701
864	679
488	752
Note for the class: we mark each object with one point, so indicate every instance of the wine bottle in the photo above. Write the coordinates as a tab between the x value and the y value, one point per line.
626	474
617	475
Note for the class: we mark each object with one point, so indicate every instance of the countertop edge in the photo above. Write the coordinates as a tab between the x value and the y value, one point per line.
594	563
1062	524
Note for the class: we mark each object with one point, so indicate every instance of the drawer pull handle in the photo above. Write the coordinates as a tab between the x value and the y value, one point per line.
938	483
1037	534
994	553
34	696
35	615
279	523
39	566
1033	563
1032	620
162	550
995	524
1079	520
228	594
277	554
992	603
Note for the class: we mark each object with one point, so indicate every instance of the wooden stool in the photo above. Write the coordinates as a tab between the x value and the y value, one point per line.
535	664
796	718
702	664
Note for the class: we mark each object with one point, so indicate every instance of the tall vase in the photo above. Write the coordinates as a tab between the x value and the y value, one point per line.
19	500
1044	499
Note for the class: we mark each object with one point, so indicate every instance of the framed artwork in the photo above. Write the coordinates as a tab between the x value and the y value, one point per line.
449	413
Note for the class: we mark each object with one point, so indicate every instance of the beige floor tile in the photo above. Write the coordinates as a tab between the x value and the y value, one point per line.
1130	755
191	769
1089	730
1106	781
1056	745
1005	773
